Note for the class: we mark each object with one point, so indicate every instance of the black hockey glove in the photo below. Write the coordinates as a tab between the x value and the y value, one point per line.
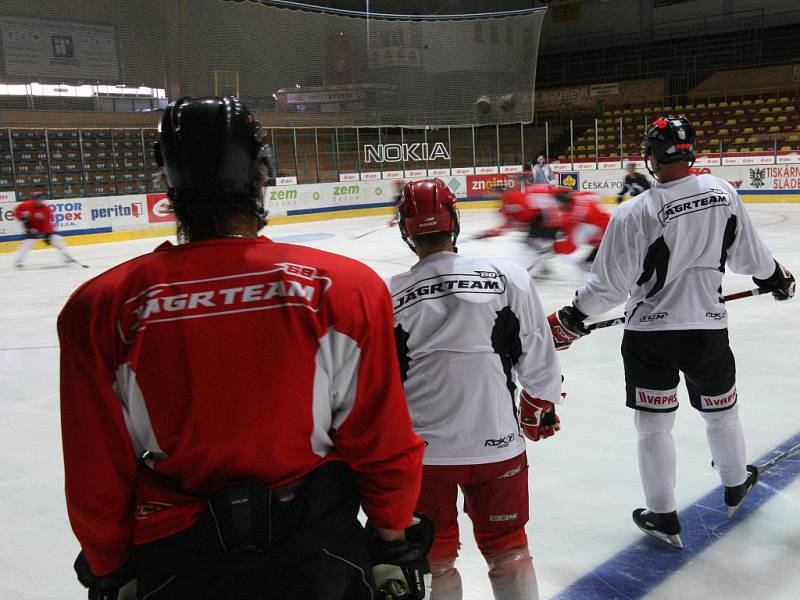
399	567
566	326
119	585
781	283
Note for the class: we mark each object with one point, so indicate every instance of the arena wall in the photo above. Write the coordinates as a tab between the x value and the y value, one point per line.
115	218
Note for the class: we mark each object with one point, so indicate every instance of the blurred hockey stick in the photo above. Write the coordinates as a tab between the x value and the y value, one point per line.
728	298
391	223
775	461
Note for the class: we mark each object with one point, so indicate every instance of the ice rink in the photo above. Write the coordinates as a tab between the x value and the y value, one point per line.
584	481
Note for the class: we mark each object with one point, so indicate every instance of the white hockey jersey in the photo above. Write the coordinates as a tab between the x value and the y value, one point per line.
666	250
464	328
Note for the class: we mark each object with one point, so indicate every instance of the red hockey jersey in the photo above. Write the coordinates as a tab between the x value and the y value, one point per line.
220	360
36	217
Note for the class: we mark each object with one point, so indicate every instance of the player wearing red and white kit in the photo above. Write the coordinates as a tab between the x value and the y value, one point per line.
583	223
469	331
37	218
229	402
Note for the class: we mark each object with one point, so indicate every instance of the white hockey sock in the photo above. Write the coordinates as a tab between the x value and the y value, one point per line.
24	248
726	441
58	242
512	576
657	459
446	581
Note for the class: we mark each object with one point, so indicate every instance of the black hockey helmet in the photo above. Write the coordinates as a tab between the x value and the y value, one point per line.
210	147
670	139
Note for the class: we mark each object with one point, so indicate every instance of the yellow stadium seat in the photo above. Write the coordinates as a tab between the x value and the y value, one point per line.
747	102
712	105
774	129
783	100
789	109
713	143
786	149
735	103
771	100
723	131
777	109
678	107
699	132
763	110
730	122
752	139
706	123
793	138
782	119
739	141
581	148
738	112
723	105
769	119
705	151
747	130
730	150
700	106
758	149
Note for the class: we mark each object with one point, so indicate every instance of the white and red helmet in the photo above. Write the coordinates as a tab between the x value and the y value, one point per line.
427	206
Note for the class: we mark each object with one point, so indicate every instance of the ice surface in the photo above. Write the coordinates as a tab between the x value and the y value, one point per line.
584	481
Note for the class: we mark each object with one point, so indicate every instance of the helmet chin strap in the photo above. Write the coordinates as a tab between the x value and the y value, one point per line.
647	166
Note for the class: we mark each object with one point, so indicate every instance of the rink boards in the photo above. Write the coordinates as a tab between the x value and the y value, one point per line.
116	218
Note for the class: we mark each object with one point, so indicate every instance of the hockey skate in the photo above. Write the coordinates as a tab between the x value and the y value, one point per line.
734	496
662	526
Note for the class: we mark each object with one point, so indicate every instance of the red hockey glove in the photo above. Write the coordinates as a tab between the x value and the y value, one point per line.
538	417
566	325
781	283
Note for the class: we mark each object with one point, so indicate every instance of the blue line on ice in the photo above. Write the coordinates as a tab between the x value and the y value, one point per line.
636	570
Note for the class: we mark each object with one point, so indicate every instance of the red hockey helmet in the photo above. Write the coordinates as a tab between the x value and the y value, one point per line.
427	206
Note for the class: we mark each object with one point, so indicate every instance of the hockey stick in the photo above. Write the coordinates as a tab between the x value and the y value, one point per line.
728	298
391	223
775	461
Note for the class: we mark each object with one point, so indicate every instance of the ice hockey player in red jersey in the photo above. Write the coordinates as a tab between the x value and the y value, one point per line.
37	218
665	252
229	402
557	221
582	223
467	329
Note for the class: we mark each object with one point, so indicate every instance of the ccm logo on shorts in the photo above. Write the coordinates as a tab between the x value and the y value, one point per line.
657	399
719	402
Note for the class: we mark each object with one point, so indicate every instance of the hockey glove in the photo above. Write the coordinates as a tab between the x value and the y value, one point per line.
399	567
566	325
781	283
538	417
119	585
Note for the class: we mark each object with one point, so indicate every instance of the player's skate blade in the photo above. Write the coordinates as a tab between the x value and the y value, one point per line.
734	496
664	527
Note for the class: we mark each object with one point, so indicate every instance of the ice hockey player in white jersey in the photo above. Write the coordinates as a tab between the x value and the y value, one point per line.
469	331
665	252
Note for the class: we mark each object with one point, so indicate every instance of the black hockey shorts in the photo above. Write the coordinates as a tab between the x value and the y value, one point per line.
304	545
654	360
37	235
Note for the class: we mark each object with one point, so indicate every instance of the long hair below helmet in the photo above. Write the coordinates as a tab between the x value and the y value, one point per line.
427	206
210	152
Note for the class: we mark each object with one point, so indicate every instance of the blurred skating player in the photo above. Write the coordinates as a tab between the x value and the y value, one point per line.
37	218
668	249
583	223
633	184
229	403
467	329
558	222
